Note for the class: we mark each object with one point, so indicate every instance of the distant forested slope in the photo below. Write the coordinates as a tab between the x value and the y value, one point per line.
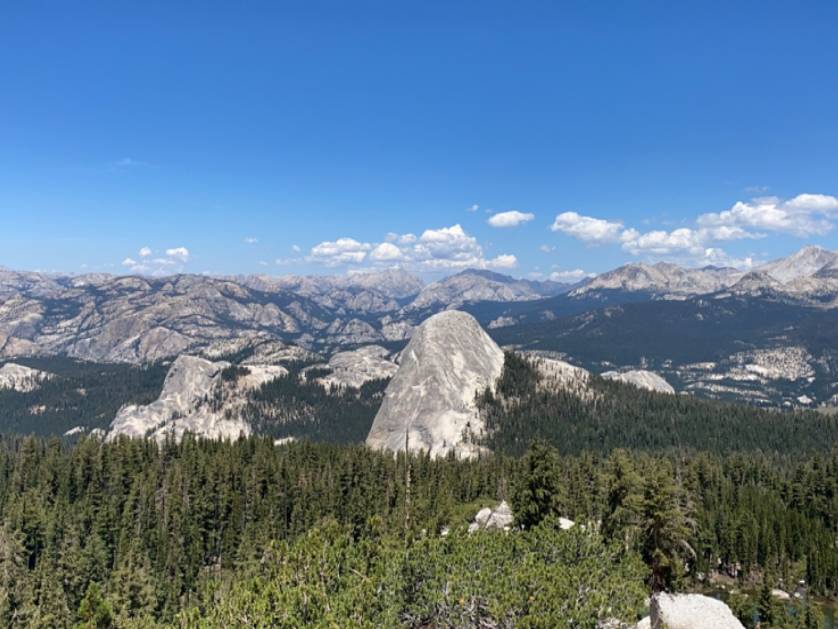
612	415
81	394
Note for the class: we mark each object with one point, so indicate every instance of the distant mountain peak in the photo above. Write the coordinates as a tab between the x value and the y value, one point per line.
803	263
490	275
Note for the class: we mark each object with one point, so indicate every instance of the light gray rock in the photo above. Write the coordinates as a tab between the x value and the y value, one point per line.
690	611
802	264
661	278
195	399
642	379
355	367
449	360
499	518
21	378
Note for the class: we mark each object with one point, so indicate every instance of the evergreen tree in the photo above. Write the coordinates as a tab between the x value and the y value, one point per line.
538	492
94	611
664	529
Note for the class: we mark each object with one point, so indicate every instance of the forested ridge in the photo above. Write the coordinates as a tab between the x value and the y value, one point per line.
611	414
79	393
296	405
202	533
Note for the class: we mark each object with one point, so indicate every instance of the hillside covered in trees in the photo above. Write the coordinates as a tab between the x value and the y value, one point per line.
610	414
222	534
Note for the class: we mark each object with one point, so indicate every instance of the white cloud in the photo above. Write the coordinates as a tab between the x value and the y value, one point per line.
473	208
340	251
173	262
512	218
250	240
587	228
178	253
661	242
546	248
505	261
567	277
803	215
296	248
447	247
386	251
435	249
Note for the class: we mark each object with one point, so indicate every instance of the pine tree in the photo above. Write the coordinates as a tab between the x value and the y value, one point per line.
94	611
538	492
665	531
765	603
624	500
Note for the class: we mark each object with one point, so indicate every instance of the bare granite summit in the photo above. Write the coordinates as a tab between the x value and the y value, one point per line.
431	398
197	399
21	378
642	379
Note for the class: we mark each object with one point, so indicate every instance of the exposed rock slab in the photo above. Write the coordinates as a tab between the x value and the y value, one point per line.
642	379
355	367
499	518
431	398
690	611
196	398
21	378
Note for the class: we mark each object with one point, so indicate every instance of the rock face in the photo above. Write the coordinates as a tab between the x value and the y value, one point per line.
196	398
432	396
661	278
558	374
690	611
805	263
21	378
807	275
500	518
354	368
642	379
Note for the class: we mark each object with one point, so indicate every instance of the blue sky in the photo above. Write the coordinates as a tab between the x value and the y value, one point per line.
319	137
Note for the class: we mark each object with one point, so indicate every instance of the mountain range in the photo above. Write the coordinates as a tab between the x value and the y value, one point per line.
764	336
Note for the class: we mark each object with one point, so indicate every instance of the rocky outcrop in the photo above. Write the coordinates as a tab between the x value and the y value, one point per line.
499	518
198	397
809	274
806	262
431	398
355	367
642	379
21	378
661	278
688	611
559	374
